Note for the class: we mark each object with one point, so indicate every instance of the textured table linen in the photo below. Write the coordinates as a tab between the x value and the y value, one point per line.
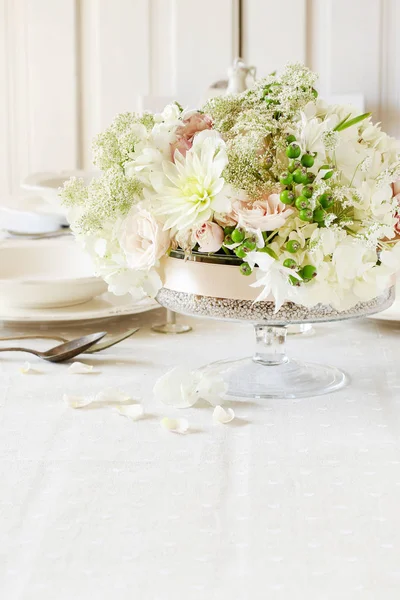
294	499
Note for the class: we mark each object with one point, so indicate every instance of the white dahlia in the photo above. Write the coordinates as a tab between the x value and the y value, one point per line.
191	189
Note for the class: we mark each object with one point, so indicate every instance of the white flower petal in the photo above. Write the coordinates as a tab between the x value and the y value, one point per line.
112	396
182	388
77	401
132	411
79	368
263	260
109	396
222	415
175	425
211	387
27	368
177	388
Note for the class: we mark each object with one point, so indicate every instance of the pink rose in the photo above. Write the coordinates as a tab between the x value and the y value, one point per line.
397	225
396	187
182	145
209	237
397	215
226	219
266	214
195	123
186	132
143	240
396	195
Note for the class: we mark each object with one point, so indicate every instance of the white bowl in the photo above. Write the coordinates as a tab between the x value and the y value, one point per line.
28	215
46	274
48	184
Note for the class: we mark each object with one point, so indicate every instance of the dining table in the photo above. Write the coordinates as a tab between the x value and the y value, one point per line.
293	499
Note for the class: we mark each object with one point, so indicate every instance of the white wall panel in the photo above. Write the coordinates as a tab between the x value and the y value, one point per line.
38	87
16	94
162	48
5	163
203	41
51	81
114	61
68	66
389	102
274	33
345	40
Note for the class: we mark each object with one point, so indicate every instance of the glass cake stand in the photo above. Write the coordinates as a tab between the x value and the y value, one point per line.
270	373
171	326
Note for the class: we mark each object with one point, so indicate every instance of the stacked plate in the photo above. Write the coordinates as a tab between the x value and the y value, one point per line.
50	279
47	184
29	215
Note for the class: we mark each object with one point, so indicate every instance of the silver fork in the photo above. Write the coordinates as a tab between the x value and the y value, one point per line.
58	338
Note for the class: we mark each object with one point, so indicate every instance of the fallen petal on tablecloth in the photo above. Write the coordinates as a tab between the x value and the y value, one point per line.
132	411
79	368
175	425
222	415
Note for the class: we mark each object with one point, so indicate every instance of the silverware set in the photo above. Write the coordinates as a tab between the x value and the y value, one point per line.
88	344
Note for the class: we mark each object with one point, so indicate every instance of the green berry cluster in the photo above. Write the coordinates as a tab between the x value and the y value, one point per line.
247	243
298	174
307	273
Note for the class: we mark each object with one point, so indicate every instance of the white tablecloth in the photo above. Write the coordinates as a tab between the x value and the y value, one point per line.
292	500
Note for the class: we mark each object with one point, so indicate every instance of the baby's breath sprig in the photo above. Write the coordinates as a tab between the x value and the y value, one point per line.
254	125
103	200
224	110
113	146
388	176
74	192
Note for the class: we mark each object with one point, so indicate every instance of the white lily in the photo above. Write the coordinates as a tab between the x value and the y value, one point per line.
272	276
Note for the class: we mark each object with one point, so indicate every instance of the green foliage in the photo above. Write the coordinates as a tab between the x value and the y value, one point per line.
345	123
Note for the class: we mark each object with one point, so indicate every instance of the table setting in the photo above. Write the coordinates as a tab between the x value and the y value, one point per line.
139	462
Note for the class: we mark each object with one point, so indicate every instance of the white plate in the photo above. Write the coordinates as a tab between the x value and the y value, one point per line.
29	215
47	184
102	307
393	312
46	274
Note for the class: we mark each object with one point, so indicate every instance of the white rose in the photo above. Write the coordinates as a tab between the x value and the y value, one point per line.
142	239
171	114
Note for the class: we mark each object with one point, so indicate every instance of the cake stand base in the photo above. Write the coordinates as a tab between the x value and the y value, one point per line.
270	373
246	378
171	328
171	325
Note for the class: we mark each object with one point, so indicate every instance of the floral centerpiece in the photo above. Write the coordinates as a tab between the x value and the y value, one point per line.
303	193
